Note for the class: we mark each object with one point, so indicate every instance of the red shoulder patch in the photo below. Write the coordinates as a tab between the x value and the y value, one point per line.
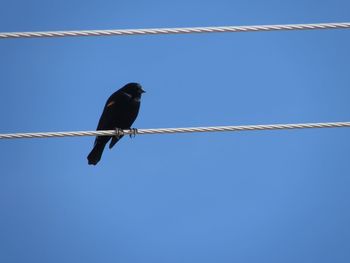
110	104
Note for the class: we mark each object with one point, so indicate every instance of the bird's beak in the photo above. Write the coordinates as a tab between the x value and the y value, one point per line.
142	91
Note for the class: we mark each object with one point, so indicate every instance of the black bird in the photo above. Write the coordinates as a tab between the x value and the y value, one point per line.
120	111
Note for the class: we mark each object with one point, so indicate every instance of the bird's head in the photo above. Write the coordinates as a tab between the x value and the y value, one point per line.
134	89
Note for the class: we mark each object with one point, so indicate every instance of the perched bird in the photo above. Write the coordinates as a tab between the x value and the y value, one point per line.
120	111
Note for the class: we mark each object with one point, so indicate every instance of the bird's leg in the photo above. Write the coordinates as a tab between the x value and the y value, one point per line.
133	132
119	132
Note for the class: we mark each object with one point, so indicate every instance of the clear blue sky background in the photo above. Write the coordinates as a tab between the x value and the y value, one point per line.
269	196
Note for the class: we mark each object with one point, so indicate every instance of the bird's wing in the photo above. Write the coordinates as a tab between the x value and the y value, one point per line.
110	111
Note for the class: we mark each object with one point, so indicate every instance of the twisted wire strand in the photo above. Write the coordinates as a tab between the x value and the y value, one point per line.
175	130
184	30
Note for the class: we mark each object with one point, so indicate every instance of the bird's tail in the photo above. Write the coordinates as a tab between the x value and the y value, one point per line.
96	153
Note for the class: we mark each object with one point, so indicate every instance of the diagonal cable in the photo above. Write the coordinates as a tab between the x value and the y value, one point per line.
176	130
179	30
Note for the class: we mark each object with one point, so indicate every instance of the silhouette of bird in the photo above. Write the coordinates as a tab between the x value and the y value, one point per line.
120	111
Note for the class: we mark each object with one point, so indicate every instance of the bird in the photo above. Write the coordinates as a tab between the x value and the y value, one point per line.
120	112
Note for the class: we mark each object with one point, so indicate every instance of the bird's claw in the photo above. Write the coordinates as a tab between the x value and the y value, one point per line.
133	132
119	132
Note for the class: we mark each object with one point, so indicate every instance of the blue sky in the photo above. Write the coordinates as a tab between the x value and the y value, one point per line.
269	196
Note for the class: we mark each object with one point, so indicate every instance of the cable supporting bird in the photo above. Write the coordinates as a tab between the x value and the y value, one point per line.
120	112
